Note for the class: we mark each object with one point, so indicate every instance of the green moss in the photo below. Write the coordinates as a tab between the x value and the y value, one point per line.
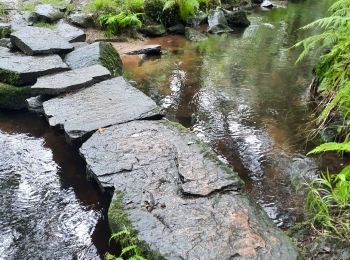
5	32
177	125
110	59
51	26
118	221
9	77
12	97
28	6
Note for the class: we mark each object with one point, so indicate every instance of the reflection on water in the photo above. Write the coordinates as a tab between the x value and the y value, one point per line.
243	95
47	208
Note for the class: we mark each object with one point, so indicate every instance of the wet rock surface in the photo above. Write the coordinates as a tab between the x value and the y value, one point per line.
70	33
70	80
154	49
217	22
153	30
181	200
107	103
46	13
81	19
97	53
35	40
237	19
194	35
19	69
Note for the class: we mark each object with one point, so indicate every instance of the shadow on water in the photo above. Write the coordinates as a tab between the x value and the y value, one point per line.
244	96
48	209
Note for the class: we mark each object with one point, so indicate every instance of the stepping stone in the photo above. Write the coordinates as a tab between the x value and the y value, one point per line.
102	53
69	32
69	81
19	20
36	40
107	103
182	201
19	69
148	50
46	13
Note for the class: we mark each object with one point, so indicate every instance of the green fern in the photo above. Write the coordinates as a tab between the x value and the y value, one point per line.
187	8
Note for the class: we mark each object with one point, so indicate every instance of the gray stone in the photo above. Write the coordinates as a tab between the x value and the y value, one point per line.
237	19
69	81
107	103
37	41
46	13
155	30
69	32
148	50
217	22
182	201
35	104
267	4
81	19
5	30
6	42
177	29
20	20
102	53
198	19
19	69
194	35
78	45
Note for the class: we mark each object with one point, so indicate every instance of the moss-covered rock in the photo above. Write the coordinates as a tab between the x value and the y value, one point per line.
12	97
153	30
5	30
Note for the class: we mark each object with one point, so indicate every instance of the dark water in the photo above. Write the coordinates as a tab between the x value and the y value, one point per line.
244	96
48	210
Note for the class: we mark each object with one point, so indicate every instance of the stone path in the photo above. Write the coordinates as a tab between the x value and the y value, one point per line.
183	202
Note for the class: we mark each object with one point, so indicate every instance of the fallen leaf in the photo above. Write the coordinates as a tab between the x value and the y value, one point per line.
101	130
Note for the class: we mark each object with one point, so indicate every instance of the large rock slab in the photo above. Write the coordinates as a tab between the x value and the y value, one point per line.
69	32
70	80
46	13
102	53
178	197
217	22
107	103
19	69
37	41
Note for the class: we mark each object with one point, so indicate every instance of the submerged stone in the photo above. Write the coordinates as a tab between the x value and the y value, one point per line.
104	104
217	22
194	35
69	32
178	197
13	98
70	80
19	69
102	53
37	40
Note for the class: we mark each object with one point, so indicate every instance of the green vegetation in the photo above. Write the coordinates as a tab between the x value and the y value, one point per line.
29	6
126	235
328	200
51	26
12	97
2	10
186	8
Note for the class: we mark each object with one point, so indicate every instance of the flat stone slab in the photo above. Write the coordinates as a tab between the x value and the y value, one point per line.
102	53
72	80
107	103
19	69
70	33
38	41
154	49
182	201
